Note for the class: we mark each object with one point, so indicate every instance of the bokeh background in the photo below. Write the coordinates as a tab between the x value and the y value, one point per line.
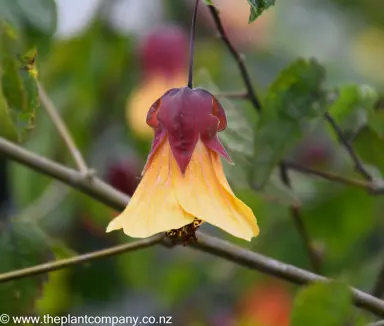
103	63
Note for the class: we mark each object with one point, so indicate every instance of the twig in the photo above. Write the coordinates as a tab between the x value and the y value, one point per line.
95	187
346	143
378	289
60	264
275	268
330	176
238	58
62	129
102	192
299	223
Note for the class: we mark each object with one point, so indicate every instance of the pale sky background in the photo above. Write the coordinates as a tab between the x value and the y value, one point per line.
133	16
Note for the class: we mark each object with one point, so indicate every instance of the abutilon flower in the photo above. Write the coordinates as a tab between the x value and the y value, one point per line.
183	181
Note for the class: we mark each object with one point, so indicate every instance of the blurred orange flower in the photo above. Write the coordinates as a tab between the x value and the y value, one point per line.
266	304
183	180
234	16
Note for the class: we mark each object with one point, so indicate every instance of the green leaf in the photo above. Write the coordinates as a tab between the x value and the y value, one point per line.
18	89
208	2
23	26
353	107
293	100
369	146
334	218
272	143
33	20
41	14
276	191
7	129
322	304
22	245
376	118
237	138
257	8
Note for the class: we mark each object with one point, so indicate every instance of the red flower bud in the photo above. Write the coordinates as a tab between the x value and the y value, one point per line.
187	115
165	51
124	176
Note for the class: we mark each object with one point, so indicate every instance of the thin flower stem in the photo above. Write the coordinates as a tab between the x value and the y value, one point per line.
300	225
81	259
192	46
238	58
348	146
62	129
106	194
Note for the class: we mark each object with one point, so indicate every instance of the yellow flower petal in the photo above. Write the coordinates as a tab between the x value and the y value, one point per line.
166	199
142	99
205	193
154	207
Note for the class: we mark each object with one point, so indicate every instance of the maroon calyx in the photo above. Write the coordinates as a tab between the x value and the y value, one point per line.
186	115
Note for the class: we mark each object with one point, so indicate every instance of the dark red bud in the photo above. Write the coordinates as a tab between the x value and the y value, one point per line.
186	115
165	51
124	176
314	152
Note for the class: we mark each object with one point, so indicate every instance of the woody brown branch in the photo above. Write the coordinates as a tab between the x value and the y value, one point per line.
348	146
312	254
237	57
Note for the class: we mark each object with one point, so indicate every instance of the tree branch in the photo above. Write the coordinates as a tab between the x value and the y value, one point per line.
331	176
346	143
300	226
106	194
238	58
62	129
60	264
93	187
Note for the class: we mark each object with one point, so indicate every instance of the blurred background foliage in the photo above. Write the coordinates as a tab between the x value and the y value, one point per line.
104	63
